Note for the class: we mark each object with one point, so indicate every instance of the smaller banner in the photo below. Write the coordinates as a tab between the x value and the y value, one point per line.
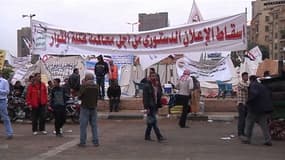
206	72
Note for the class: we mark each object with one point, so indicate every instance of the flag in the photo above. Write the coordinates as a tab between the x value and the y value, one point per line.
254	54
27	43
195	14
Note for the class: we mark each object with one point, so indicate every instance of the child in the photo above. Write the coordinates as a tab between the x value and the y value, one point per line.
114	94
58	102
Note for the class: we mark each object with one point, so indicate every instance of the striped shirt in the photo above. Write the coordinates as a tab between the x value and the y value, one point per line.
242	92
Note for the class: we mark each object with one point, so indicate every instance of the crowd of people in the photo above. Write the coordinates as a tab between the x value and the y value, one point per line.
38	96
254	101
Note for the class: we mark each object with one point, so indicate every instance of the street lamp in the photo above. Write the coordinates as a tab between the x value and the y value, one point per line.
133	24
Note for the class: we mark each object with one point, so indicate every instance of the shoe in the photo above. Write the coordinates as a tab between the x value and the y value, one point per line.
149	139
81	145
96	144
44	132
9	137
161	139
267	143
59	135
35	133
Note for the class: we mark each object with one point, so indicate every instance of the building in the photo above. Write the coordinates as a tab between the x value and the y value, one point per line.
23	33
268	26
153	21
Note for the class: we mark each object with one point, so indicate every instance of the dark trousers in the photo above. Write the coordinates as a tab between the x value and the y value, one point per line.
38	118
184	101
262	120
114	104
101	83
151	122
242	112
60	116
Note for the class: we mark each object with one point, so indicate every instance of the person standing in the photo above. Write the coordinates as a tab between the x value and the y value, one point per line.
195	96
185	87
4	91
151	102
260	106
101	69
74	82
88	94
114	94
58	100
37	100
242	96
113	75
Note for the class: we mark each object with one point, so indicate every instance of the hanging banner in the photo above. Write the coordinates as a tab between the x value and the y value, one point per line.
2	58
224	34
206	72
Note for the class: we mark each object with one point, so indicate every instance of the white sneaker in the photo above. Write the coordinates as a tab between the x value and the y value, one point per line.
35	133
44	132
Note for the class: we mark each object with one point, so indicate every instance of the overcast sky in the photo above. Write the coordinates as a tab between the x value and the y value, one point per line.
103	15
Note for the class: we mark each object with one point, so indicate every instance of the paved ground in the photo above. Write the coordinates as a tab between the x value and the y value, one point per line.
123	140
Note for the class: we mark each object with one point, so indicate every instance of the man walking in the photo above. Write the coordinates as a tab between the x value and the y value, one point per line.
241	102
151	102
4	91
259	107
184	86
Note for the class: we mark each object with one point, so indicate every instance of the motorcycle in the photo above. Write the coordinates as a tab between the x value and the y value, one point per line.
73	109
17	109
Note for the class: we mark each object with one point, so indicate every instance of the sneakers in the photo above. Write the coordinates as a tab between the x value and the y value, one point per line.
149	139
44	132
267	143
81	145
9	137
96	144
35	133
161	139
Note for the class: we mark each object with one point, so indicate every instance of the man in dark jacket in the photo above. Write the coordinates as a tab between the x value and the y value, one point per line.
88	111
101	69
114	94
58	100
259	107
151	102
74	82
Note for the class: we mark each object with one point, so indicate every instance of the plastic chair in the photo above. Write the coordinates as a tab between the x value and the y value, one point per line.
221	88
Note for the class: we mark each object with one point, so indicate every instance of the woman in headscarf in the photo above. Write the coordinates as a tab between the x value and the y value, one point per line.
184	86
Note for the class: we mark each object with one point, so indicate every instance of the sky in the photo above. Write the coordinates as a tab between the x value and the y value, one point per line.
104	16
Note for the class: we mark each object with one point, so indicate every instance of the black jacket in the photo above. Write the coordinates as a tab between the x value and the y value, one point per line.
101	68
259	98
149	101
74	81
114	91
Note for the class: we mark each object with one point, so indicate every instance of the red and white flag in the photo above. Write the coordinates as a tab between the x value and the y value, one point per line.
195	14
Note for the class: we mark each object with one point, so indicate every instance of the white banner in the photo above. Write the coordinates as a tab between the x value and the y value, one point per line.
224	34
206	72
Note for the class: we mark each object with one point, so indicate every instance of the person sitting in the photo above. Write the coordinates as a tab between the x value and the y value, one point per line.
18	89
114	94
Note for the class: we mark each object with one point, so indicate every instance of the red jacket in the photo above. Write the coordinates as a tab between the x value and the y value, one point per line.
37	95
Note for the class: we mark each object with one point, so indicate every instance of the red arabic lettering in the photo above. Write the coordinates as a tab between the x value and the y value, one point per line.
122	41
136	42
58	39
207	31
220	34
78	38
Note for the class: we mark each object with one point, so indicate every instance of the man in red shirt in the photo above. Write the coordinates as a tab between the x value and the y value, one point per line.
37	99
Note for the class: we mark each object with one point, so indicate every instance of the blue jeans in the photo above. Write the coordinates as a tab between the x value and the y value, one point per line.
88	115
101	83
5	117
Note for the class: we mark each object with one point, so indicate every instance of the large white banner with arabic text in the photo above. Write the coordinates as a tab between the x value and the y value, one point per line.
223	34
